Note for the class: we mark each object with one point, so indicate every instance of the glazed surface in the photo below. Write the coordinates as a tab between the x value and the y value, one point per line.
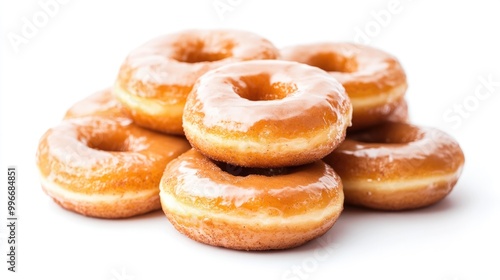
374	80
97	155
410	150
401	114
198	181
169	65
274	108
252	212
155	79
399	165
101	103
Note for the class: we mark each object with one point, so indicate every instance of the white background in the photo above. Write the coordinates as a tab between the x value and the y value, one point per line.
446	49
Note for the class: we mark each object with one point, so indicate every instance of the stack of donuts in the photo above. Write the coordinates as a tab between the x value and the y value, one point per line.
246	146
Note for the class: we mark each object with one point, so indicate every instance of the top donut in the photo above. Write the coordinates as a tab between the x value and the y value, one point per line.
155	79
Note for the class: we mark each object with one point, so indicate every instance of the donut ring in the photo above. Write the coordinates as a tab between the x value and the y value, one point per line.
155	79
397	166
266	113
102	167
374	80
101	103
254	211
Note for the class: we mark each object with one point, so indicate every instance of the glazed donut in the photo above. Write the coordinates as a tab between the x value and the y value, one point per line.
374	80
101	103
155	79
249	209
266	113
397	166
104	167
400	113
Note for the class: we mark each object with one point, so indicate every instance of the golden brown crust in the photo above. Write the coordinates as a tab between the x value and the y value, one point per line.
374	80
395	111
397	166
249	211
266	114
238	237
155	79
120	208
400	114
89	162
101	103
416	196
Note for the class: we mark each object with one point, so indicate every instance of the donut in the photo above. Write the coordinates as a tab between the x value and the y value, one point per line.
266	113
374	80
105	167
101	103
154	80
397	166
249	208
400	113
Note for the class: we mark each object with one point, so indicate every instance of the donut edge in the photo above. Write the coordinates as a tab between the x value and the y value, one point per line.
224	230
113	206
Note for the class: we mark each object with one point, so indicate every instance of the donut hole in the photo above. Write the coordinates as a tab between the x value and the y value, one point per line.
200	51
246	171
332	62
261	88
195	57
389	134
108	144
